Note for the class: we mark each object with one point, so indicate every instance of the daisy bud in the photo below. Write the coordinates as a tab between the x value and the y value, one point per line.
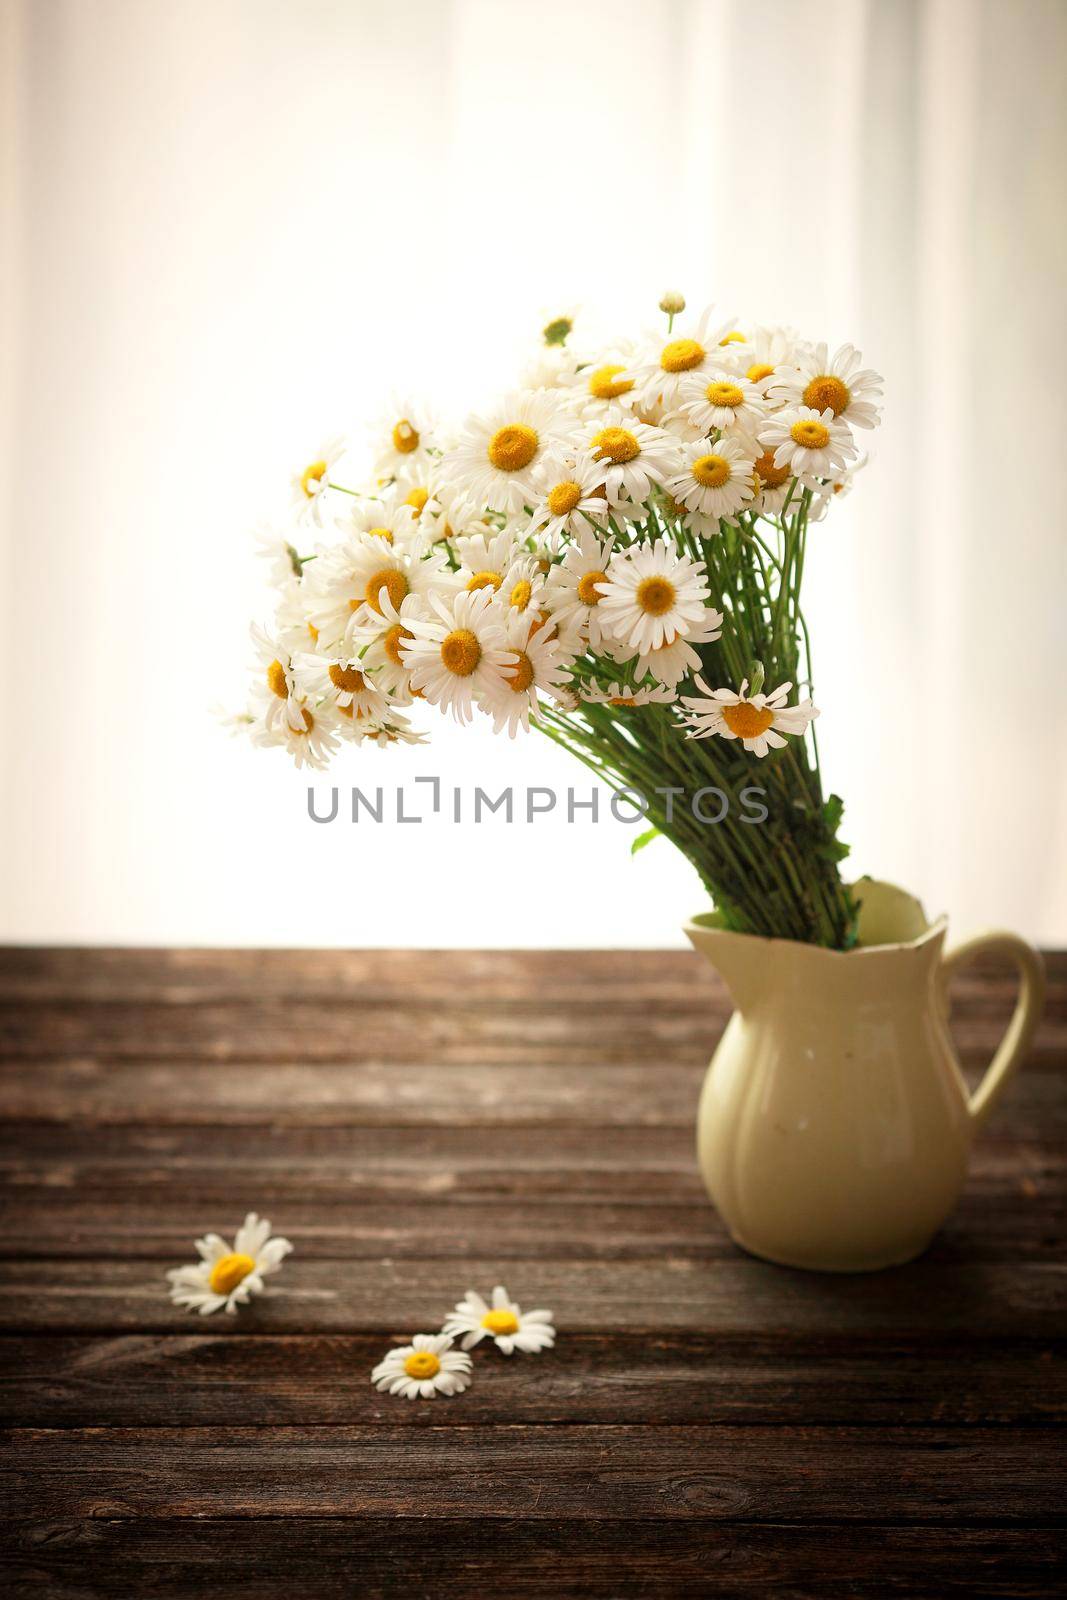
672	303
557	330
756	675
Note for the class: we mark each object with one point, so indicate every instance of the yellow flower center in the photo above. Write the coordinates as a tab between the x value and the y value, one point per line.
417	500
563	498
681	355
655	595
587	590
422	1364
827	392
391	643
380	533
724	394
520	594
229	1271
311	477
812	435
622	700
733	338
485	580
276	680
501	1322
747	720
523	675
770	475
712	471
461	652
405	437
308	721
615	444
605	383
758	372
350	679
392	581
513	447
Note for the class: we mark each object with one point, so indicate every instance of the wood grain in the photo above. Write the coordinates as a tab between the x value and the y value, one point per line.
419	1123
131	1380
334	1558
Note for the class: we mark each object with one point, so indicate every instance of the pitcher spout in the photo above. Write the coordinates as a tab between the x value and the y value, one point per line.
735	957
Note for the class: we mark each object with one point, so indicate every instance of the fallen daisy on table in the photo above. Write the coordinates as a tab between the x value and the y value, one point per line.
225	1278
504	1322
426	1367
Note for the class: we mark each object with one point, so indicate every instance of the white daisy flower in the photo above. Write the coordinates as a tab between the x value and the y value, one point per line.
523	588
404	435
386	729
423	1369
626	695
340	682
693	347
494	461
509	1327
836	384
670	663
716	479
568	491
763	355
388	518
421	495
511	698
375	643
572	592
311	739
484	559
225	1278
719	400
771	483
310	482
348	582
460	653
553	367
604	383
810	443
284	558
274	688
291	622
631	456
837	488
651	594
759	720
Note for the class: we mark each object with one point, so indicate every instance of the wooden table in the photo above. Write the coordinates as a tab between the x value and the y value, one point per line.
420	1123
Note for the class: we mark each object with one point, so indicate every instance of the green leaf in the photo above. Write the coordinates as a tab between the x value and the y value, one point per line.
643	839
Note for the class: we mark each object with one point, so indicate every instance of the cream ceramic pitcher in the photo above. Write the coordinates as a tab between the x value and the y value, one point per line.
834	1124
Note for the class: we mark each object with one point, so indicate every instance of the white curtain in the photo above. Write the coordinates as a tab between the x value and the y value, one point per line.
230	225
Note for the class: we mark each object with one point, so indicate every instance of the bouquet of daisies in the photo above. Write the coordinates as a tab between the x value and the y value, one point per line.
612	555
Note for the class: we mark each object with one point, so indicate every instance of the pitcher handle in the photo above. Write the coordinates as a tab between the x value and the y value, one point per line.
1025	1018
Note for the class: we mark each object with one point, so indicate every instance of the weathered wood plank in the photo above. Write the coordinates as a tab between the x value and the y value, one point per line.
648	1164
747	1474
462	1030
1011	1209
191	976
389	1094
139	1380
334	1558
667	1294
